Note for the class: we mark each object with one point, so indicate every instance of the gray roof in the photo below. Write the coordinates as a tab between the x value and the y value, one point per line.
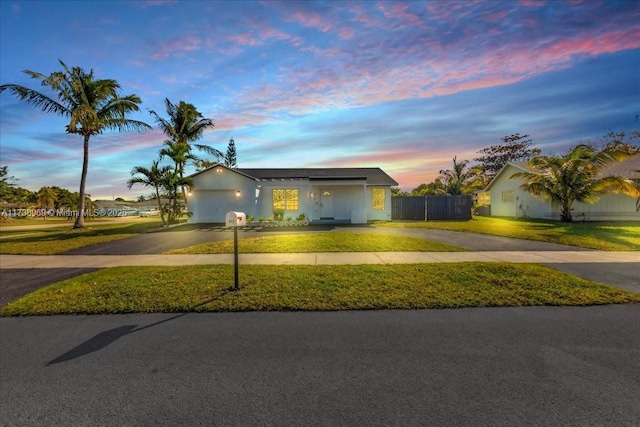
629	168
373	176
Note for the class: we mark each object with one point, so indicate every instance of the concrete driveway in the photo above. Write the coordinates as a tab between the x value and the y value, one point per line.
534	366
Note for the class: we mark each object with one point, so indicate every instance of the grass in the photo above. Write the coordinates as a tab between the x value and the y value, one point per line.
607	236
322	242
51	241
339	287
30	220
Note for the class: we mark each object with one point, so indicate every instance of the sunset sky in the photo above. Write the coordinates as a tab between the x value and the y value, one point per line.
404	86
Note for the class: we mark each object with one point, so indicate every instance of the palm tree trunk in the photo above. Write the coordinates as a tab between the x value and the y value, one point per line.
565	216
184	193
159	205
83	181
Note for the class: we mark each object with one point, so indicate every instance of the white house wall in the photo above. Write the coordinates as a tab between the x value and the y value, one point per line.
264	206
611	207
214	193
522	204
379	215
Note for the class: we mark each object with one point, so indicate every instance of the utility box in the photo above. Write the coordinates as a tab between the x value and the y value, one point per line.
235	219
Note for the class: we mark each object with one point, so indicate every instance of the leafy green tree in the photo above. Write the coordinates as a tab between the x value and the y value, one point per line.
621	141
154	177
91	105
6	183
575	177
395	191
515	148
47	198
461	179
434	188
230	159
64	197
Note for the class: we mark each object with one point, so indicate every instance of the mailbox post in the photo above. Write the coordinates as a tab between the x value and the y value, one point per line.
235	220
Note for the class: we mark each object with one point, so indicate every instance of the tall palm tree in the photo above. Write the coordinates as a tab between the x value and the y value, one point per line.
184	126
461	179
151	177
91	105
575	176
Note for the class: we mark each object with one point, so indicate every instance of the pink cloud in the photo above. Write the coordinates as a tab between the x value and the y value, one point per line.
532	3
495	17
244	39
399	11
311	20
177	47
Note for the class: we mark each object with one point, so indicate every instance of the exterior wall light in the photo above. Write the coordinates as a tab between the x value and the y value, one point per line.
237	193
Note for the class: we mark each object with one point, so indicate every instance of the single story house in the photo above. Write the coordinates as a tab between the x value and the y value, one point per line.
509	200
355	195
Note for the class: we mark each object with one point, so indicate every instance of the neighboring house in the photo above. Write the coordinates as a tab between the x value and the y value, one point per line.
508	199
354	195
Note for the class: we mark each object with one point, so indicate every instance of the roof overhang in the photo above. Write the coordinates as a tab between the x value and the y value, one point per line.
337	178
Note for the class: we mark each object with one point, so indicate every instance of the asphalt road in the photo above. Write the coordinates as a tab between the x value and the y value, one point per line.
16	282
534	366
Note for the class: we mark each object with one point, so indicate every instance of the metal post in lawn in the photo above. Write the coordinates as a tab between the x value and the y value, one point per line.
235	258
235	220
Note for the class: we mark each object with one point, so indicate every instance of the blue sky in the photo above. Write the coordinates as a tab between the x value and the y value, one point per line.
404	86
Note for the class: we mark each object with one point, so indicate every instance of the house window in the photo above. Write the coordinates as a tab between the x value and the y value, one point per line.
378	199
507	197
286	200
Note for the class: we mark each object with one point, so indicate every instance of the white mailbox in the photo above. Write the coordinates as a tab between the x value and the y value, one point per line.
235	219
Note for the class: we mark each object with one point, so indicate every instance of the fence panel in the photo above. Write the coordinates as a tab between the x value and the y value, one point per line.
448	208
408	208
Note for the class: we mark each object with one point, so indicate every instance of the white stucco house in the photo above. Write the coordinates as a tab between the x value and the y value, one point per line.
509	200
355	195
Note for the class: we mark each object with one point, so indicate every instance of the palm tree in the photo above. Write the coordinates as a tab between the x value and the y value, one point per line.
184	126
460	179
151	177
171	182
46	197
91	105
575	177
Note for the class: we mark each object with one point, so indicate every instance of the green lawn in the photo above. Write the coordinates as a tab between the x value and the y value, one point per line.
50	241
339	287
321	242
608	236
50	220
603	236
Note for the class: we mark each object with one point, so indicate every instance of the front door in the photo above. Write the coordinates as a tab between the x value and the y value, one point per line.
326	204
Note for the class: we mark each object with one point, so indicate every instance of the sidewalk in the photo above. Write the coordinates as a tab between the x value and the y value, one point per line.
318	258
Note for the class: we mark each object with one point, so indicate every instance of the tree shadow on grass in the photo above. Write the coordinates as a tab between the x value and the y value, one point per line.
105	338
